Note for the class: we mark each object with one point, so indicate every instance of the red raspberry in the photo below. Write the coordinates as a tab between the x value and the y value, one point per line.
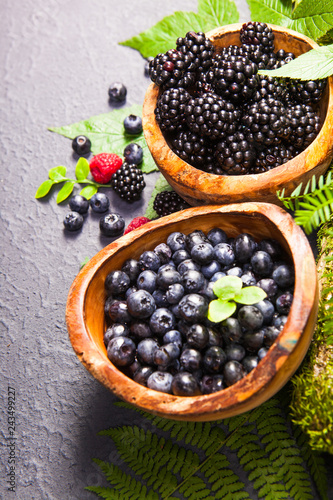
103	166
137	222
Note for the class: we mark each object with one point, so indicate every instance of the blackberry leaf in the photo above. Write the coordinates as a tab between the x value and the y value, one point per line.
218	13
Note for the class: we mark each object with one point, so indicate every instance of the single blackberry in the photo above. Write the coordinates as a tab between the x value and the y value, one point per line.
307	92
168	202
199	48
262	59
190	147
128	182
258	34
235	154
170	70
234	77
266	122
209	115
282	58
273	157
270	87
169	111
304	125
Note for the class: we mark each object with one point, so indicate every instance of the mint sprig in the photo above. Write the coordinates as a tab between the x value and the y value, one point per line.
230	291
57	175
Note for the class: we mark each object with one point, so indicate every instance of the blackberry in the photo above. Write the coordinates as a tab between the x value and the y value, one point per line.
282	58
307	92
169	111
262	59
234	77
258	34
266	122
199	48
304	125
128	182
168	202
190	147
170	70
235	154
209	115
273	157
271	87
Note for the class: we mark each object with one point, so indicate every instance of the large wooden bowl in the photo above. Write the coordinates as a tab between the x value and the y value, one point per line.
200	188
85	311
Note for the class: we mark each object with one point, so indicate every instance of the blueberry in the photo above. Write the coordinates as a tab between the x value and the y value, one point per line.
116	282
190	360
217	276
185	384
118	312
81	145
269	286
99	203
235	352
130	290
160	381
164	253
140	330
233	371
166	354
160	298
133	153
115	330
193	308
271	334
111	224
235	271
202	253
197	336
280	321
195	238
142	374
208	270
133	125
224	254
244	246
193	281
231	330
166	277
117	92
250	362
211	383
161	321
146	349
214	338
262	353
121	351
79	204
73	221
131	268
248	279
141	304
149	260
176	241
253	341
173	336
188	265
250	317
283	275
216	236
147	281
180	255
208	291
262	263
267	309
272	247
174	293
214	359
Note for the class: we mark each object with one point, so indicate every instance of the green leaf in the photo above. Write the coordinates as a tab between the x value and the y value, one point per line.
219	310
44	188
82	169
313	18
57	174
313	65
88	191
106	133
65	191
218	13
227	287
160	186
250	295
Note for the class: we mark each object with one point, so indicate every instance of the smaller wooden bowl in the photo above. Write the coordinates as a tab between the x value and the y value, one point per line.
85	311
200	188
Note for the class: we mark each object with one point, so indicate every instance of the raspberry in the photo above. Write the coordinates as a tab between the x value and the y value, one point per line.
103	166
137	222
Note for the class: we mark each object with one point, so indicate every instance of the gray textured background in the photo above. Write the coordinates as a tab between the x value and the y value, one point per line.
58	58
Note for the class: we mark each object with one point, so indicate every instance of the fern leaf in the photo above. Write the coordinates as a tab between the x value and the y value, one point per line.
224	482
195	489
106	493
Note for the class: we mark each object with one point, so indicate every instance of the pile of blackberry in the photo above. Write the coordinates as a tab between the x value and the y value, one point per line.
157	330
220	116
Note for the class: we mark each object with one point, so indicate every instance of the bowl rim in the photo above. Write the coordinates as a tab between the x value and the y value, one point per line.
181	174
254	386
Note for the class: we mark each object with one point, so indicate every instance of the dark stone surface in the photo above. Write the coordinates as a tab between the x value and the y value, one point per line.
58	59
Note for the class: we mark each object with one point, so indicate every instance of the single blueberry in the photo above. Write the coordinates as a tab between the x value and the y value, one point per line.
208	270
284	276
262	353
173	336
197	336
73	221
188	265
190	360
99	203
79	204
131	268
224	254
164	253
248	279
272	247
111	224
203	253
193	308
133	153
250	317
166	277
115	330
208	291
253	341
231	330
149	260
211	383
118	312
235	352
116	282
160	381
233	371
214	338
174	293
269	286
121	351
267	309
195	238
217	276
193	281
146	349
161	321
180	255
141	304
81	145
250	362
279	321
185	384
166	354
244	246
142	374
133	125
176	241
160	298
262	263
271	334
283	303
214	359
140	330
147	281
117	92
216	236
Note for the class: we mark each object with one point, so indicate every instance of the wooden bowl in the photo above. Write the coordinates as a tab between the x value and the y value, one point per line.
85	311
201	188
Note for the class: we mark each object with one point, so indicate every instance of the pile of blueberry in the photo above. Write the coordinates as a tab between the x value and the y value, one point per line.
157	330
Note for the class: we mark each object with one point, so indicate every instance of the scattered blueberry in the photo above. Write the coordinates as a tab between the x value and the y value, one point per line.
133	125
99	203
111	224
81	145
73	221
117	92
79	204
133	153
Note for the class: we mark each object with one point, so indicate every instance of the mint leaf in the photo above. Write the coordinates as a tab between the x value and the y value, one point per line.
250	295
88	191
57	174
160	186
44	188
220	310
313	18
65	191
227	287
217	13
106	133
82	169
313	65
